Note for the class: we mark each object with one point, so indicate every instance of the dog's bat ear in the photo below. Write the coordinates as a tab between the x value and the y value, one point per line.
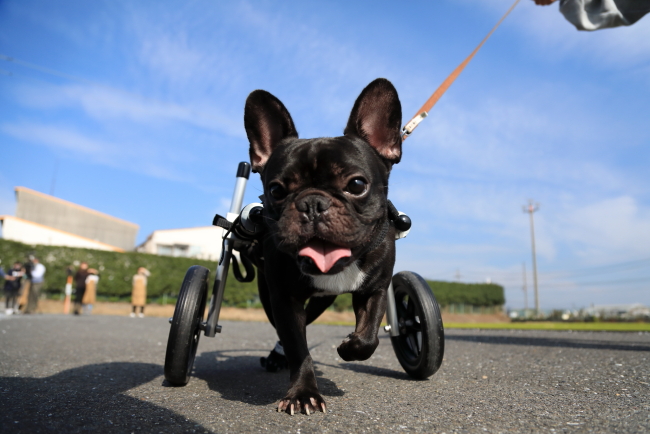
267	122
377	118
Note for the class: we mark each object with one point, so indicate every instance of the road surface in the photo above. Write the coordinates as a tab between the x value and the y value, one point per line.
104	374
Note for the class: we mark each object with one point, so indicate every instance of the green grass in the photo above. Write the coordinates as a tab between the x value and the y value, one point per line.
578	326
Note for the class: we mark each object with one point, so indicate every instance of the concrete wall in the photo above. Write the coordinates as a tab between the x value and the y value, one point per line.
74	219
201	243
26	232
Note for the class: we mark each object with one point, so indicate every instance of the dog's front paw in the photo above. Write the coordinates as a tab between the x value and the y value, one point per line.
307	402
354	348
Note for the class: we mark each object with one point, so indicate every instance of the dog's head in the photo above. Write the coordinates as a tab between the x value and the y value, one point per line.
325	198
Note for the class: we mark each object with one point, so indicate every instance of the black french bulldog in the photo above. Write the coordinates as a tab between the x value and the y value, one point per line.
327	226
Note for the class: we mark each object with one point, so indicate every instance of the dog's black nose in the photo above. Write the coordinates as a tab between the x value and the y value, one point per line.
313	205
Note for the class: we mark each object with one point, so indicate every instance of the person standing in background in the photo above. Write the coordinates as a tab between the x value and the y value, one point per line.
80	286
90	294
37	276
23	292
13	279
139	292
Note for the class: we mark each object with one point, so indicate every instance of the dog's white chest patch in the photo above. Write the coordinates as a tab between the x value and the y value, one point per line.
348	280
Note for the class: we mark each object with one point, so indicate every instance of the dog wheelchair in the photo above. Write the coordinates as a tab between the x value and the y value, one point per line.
413	314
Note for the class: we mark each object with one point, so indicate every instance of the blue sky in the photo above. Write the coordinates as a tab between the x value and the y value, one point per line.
138	109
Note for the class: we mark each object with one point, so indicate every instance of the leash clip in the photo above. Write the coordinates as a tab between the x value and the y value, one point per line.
413	123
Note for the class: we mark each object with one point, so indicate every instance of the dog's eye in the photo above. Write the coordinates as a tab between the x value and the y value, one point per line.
277	191
356	186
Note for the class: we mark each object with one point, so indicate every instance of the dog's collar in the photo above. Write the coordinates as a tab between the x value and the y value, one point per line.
393	215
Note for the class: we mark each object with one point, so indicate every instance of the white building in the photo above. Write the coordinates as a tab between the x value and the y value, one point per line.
202	243
74	219
23	231
47	220
620	311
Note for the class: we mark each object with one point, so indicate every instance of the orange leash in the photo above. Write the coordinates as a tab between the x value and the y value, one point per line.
424	110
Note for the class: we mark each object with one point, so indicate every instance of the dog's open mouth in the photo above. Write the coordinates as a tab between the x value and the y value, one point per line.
324	254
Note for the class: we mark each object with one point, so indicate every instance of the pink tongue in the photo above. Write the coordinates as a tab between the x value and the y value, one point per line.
324	254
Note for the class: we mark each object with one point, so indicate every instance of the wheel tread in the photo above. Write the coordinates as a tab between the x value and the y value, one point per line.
190	307
432	350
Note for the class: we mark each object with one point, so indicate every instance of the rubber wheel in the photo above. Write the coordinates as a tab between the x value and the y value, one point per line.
420	345
186	326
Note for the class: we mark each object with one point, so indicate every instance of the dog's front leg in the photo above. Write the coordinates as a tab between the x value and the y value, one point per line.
303	392
369	309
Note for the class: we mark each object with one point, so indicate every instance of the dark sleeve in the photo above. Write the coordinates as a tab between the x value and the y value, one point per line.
633	10
79	279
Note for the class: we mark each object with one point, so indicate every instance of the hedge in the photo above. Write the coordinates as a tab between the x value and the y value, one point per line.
476	294
117	270
450	293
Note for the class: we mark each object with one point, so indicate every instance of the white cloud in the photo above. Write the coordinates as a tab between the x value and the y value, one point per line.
614	227
59	138
227	60
105	103
126	156
172	55
512	140
441	260
592	229
485	234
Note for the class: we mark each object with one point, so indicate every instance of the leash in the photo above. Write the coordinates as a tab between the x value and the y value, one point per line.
433	99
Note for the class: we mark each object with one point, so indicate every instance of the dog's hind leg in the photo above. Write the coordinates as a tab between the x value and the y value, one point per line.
265	298
276	360
317	305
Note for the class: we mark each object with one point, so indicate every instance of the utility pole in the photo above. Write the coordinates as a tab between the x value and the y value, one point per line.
525	288
530	209
457	275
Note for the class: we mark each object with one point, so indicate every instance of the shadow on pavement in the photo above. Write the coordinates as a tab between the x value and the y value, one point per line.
86	399
241	378
371	370
549	342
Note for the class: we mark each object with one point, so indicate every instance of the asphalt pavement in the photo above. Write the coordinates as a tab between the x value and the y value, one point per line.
104	374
